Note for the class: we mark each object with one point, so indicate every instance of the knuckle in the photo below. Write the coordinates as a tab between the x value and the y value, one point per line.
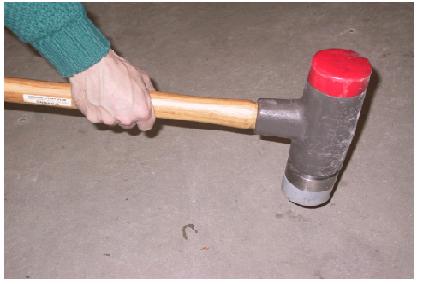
144	113
128	126
92	117
125	120
109	121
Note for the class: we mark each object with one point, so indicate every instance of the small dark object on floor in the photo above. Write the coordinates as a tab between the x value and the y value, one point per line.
183	230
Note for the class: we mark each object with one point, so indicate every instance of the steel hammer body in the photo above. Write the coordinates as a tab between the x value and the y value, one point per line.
321	124
321	128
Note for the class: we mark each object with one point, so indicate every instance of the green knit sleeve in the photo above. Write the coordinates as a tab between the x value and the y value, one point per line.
61	32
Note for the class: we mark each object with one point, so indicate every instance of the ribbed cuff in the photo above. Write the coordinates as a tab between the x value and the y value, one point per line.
74	48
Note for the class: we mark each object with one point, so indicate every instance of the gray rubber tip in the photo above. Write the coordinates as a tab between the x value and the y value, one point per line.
304	198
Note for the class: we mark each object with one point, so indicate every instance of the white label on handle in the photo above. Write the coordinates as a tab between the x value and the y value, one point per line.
43	100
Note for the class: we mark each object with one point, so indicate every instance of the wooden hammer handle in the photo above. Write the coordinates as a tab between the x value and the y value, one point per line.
235	113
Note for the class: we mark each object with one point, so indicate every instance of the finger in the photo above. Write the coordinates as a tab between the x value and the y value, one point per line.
80	103
145	79
78	93
107	118
148	82
127	126
117	57
93	115
142	105
144	112
149	104
146	124
147	121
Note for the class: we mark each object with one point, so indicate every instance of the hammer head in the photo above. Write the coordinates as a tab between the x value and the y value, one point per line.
321	124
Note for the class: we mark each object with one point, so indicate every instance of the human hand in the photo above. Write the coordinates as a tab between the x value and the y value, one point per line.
114	92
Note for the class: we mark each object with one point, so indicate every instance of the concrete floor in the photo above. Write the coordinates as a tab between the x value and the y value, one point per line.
86	201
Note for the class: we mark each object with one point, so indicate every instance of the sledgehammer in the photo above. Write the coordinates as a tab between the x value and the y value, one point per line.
321	124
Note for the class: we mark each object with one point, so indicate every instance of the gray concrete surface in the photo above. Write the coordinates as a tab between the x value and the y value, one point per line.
93	202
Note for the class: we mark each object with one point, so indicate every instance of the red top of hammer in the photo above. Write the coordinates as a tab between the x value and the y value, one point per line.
339	73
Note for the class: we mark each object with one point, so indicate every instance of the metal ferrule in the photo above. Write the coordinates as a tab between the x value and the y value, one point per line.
309	183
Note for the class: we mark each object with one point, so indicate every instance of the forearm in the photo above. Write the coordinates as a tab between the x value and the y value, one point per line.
61	32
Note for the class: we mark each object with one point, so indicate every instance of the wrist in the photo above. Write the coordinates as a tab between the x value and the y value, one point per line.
75	47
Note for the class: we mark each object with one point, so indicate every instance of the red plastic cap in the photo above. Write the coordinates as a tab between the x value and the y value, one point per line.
339	73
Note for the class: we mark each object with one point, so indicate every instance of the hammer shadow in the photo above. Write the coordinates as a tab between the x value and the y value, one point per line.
43	109
159	124
276	139
375	79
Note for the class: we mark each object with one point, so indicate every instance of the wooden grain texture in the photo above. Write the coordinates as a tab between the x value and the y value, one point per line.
235	113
